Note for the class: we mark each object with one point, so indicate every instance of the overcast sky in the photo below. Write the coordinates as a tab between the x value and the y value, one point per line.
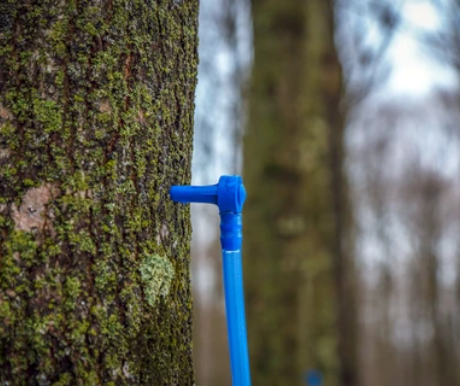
415	69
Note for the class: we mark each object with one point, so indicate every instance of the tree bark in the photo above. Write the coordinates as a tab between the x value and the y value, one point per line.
298	270
96	120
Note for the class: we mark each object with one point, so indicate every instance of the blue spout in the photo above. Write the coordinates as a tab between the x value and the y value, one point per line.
189	194
229	195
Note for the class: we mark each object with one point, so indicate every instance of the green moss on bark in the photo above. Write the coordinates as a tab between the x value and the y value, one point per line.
96	115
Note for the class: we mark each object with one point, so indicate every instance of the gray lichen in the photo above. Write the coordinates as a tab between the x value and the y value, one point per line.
157	273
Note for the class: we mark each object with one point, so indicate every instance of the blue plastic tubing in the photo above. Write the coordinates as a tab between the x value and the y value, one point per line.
231	239
236	322
229	195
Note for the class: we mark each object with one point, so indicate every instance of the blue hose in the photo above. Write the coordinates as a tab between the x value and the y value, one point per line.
236	320
229	195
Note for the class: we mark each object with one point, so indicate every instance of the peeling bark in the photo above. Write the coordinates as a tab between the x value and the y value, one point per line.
32	212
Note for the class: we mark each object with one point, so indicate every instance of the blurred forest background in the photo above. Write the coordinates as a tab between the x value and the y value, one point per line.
344	119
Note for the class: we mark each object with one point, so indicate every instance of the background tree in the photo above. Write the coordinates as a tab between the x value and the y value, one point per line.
96	116
298	267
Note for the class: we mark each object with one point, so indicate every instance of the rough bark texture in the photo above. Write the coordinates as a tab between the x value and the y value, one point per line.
96	115
297	221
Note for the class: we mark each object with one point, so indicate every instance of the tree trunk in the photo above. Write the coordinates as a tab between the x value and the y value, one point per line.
297	225
96	117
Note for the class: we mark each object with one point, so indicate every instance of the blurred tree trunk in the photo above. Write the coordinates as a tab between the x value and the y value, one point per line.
298	270
96	116
430	224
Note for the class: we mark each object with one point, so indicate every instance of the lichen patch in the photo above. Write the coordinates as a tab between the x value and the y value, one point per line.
157	273
104	107
32	211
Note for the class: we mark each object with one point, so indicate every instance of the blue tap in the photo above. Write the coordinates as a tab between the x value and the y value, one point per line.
229	195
